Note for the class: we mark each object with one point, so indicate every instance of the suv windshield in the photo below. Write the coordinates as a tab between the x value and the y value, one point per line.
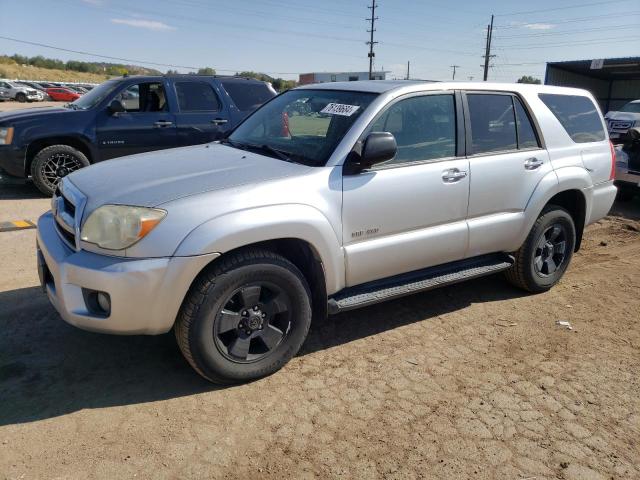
95	95
303	126
633	107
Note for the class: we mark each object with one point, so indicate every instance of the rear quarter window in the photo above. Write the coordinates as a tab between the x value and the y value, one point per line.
248	96
578	115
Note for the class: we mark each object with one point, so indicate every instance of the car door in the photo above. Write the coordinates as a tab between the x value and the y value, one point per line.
146	124
506	162
201	116
410	212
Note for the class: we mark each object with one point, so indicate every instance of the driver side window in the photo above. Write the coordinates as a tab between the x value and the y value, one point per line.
143	97
424	128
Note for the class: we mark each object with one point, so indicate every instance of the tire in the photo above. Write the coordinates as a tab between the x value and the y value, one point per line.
208	328
625	194
538	267
21	97
53	163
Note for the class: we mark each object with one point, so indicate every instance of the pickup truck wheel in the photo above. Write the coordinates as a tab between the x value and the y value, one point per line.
21	97
245	317
54	162
546	253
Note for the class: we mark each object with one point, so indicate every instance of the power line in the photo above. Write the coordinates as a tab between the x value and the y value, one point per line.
371	43
554	22
566	44
130	60
566	7
570	32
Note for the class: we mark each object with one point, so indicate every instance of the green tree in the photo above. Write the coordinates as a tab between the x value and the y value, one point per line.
529	79
207	71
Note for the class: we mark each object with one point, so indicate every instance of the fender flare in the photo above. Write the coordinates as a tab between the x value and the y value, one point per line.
246	227
557	181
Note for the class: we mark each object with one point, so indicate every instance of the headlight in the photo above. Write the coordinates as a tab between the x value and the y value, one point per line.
115	227
6	135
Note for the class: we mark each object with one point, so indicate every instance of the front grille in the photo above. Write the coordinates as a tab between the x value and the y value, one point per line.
67	205
620	125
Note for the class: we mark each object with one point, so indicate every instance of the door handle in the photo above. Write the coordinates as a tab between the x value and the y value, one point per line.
532	163
453	175
162	123
219	121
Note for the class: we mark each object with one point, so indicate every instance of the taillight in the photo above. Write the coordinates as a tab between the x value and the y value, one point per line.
612	175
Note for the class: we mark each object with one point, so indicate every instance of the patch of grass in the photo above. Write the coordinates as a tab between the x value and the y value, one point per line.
28	72
305	125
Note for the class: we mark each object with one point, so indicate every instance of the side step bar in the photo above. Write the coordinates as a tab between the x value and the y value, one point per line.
417	281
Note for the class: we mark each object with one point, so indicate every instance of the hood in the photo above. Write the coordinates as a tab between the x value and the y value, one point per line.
622	116
28	113
151	179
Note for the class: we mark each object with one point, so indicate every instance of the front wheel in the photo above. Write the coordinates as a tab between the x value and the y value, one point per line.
245	317
545	255
21	97
53	163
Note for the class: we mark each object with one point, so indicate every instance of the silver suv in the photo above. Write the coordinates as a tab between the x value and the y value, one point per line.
328	198
20	93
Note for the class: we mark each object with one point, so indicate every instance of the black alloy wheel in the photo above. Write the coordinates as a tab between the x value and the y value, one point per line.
551	250
255	319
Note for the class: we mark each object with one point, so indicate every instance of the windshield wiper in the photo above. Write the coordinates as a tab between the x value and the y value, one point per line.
278	153
231	143
71	106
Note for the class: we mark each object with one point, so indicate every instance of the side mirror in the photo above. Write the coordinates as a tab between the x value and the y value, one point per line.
378	147
116	107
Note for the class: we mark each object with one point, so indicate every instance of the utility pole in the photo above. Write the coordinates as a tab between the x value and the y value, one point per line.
454	70
487	53
471	78
371	43
408	63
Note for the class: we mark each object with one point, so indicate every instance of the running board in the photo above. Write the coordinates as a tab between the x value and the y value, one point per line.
417	281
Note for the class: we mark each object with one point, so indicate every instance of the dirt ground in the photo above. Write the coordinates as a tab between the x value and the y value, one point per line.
472	381
9	106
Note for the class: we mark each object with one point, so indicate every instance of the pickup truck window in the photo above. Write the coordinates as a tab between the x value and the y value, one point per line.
303	125
95	95
247	96
196	97
578	116
143	97
424	127
493	126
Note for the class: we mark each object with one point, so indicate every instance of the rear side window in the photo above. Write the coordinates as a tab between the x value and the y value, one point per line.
526	134
248	95
577	114
196	97
493	126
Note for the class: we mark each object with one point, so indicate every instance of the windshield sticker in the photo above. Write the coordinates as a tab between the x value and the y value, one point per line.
340	109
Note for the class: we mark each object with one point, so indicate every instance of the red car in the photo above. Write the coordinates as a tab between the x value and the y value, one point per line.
61	94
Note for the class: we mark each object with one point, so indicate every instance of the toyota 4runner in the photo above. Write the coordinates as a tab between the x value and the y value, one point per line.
327	198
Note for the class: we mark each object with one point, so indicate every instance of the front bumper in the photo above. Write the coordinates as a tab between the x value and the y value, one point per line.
12	160
627	178
145	294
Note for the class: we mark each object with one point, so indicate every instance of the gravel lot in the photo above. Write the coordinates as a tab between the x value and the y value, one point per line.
471	381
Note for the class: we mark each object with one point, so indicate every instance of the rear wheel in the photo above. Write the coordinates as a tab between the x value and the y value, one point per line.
546	253
53	163
245	317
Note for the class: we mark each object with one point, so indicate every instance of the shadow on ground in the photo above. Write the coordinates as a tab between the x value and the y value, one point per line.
48	368
18	189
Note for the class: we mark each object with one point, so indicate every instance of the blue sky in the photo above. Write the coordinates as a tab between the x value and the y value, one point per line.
287	37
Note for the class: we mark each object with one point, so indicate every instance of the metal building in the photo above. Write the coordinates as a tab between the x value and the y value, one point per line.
613	81
323	77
